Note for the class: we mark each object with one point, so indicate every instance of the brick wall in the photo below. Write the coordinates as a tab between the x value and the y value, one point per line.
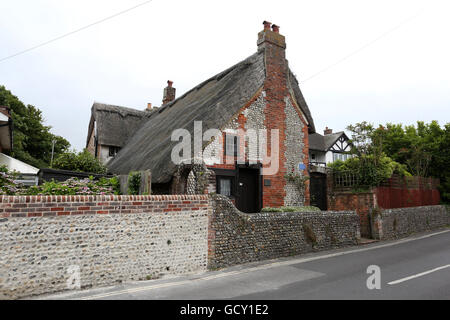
401	222
362	203
110	238
235	237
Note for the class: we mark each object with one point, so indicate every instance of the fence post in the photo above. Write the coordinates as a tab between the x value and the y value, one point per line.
146	182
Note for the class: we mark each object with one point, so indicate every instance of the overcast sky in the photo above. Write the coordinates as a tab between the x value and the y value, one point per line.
402	77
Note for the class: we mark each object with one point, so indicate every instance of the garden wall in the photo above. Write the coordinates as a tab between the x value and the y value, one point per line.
235	237
397	223
111	239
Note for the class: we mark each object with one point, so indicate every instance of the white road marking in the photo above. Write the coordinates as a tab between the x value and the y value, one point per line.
418	275
263	267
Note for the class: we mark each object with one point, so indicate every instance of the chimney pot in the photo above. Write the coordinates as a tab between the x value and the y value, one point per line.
267	25
149	106
169	83
275	28
327	131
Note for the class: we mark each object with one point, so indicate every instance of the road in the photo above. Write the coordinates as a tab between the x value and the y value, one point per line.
413	268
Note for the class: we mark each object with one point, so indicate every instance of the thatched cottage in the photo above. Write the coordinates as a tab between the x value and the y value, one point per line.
259	93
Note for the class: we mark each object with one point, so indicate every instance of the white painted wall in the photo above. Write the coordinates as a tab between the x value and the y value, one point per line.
17	165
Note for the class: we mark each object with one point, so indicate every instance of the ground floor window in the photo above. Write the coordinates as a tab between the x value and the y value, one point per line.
225	186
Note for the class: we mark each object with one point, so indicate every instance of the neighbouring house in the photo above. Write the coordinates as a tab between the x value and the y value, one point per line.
259	93
6	133
110	127
323	150
329	147
27	174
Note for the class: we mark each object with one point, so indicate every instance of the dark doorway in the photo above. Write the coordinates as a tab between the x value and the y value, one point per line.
318	190
248	190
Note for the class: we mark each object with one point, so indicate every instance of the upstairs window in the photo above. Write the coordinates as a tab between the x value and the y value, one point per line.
113	151
231	145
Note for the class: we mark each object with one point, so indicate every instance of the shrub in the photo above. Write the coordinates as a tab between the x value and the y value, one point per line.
74	186
134	182
83	161
369	170
7	184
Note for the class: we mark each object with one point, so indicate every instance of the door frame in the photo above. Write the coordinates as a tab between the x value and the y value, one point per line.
257	168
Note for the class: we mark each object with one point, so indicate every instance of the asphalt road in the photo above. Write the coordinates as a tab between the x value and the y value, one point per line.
414	268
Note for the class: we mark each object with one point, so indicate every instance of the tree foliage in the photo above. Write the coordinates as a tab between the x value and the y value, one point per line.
370	164
32	139
82	161
422	150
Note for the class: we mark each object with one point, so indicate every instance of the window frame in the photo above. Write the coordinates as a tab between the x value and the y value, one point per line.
115	151
229	178
236	147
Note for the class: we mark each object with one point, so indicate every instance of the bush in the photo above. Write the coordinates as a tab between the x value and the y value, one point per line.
7	184
370	171
83	161
74	186
134	182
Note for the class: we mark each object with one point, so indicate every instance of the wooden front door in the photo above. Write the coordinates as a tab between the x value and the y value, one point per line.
248	190
318	190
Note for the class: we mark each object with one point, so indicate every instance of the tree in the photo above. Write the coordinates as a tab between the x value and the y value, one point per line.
424	149
83	161
32	139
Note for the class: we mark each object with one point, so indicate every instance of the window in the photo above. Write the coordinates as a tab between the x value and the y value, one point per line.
224	186
340	156
113	151
313	156
231	145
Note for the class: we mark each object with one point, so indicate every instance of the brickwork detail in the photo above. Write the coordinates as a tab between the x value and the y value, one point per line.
362	203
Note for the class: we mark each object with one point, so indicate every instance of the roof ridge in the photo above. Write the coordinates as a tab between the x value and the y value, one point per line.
217	76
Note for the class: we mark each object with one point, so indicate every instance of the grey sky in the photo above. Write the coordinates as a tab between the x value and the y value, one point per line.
127	60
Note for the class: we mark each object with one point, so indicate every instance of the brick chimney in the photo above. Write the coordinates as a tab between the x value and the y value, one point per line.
169	93
273	45
272	37
327	131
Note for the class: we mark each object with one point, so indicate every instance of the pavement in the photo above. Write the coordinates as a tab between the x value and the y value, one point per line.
417	267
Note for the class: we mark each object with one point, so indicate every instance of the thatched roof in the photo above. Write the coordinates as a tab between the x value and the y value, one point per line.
214	102
115	124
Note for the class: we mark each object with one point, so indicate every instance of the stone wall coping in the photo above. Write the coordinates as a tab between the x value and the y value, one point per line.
102	198
405	209
297	214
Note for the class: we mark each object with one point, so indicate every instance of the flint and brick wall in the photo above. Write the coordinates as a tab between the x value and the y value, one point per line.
235	237
110	238
401	222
